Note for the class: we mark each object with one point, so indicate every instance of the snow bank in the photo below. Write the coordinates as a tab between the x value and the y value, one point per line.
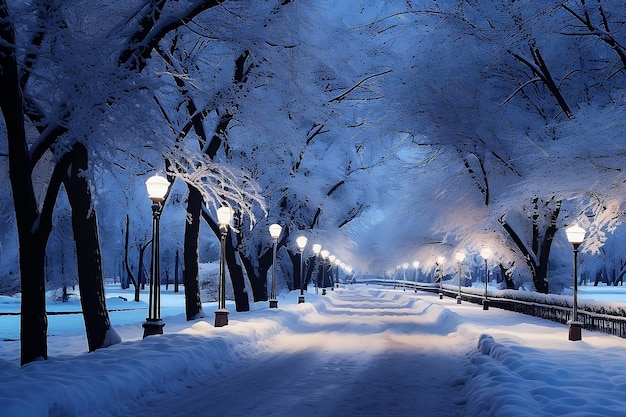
515	380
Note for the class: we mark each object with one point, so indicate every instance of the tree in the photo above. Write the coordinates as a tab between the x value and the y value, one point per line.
63	128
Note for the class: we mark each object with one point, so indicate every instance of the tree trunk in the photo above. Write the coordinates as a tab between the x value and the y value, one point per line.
506	274
193	303
295	261
176	266
32	242
85	228
538	254
237	279
258	276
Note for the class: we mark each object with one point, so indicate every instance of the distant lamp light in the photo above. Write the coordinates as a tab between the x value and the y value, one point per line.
301	242
157	187
224	215
575	234
275	230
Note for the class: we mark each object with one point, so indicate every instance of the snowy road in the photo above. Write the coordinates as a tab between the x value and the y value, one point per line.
360	351
358	356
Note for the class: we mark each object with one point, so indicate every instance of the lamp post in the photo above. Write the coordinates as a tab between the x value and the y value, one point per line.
575	236
301	243
337	264
275	230
316	250
331	276
486	254
224	216
324	254
460	257
440	261
416	265
404	267
157	187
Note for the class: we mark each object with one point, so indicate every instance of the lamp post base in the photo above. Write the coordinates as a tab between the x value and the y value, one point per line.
273	303
575	330
441	296
152	327
458	299
221	318
300	299
485	304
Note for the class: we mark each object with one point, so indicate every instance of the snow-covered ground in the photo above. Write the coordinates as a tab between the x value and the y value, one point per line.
359	351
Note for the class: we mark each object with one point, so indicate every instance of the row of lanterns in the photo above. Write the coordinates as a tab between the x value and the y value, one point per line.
158	187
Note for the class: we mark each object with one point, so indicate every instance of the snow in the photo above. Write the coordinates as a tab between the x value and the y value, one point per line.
358	351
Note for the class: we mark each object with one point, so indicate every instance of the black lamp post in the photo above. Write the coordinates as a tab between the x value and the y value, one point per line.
331	275
324	254
440	261
316	250
486	254
157	187
224	216
416	265
460	257
575	236
301	243
275	230
404	268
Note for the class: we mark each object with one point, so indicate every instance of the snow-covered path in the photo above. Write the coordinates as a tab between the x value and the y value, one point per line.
359	351
338	362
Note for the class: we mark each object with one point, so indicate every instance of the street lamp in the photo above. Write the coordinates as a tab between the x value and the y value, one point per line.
275	230
575	236
331	277
316	250
486	254
224	216
324	254
337	264
460	257
440	261
301	243
157	187
404	267
416	264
